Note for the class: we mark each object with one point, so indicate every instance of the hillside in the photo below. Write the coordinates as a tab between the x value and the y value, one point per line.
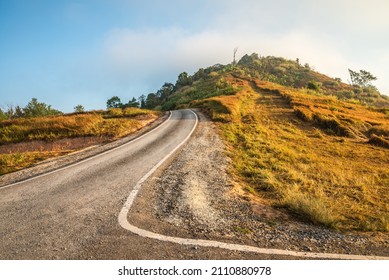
321	153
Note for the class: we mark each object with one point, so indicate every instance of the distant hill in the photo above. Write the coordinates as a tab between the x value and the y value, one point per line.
273	69
299	140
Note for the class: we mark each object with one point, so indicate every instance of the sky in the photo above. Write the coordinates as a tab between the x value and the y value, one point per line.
66	53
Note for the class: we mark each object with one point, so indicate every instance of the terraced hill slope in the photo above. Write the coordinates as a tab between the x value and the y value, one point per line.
321	153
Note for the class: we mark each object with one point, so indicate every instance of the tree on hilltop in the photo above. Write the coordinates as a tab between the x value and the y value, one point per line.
132	103
38	109
114	102
79	108
362	79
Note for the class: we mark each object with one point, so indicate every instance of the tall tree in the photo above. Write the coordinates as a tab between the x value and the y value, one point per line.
166	90
114	102
2	115
142	101
132	103
37	109
363	78
152	101
183	80
79	108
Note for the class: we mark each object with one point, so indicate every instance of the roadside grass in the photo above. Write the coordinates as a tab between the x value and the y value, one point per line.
16	161
107	125
324	172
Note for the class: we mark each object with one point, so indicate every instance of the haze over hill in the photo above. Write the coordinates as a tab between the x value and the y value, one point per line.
273	69
297	139
66	53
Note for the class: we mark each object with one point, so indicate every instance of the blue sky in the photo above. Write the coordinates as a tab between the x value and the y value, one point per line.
83	52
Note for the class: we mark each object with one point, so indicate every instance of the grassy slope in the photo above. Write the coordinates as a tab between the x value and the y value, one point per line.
109	125
305	151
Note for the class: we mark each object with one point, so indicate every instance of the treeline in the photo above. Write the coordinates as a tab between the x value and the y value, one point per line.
34	108
157	100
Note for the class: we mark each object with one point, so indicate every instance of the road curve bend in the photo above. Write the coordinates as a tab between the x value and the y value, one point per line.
57	214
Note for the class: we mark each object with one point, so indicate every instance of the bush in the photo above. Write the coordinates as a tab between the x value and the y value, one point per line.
345	94
314	85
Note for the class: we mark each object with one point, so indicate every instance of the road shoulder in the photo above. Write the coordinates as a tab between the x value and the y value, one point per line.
192	196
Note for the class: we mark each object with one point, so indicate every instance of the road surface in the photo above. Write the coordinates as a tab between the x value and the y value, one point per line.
81	211
61	214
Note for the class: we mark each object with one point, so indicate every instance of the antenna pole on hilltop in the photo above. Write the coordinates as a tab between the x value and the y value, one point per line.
234	59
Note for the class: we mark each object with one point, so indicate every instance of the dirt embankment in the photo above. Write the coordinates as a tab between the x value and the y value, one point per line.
194	197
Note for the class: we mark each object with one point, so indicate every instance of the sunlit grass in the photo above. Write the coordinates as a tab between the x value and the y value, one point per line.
16	161
113	124
313	169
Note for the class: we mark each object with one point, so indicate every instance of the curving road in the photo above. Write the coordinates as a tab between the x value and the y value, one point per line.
71	210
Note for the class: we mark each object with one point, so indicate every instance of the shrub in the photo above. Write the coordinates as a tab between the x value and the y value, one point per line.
314	85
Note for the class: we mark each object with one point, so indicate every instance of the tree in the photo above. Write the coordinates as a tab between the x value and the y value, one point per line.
2	115
18	112
114	102
132	103
142	101
166	90
36	109
152	101
79	109
183	80
199	74
362	79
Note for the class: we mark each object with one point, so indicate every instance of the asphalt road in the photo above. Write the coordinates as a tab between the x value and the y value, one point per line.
72	213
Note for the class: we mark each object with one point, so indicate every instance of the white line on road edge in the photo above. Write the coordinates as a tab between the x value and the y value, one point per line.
210	243
89	158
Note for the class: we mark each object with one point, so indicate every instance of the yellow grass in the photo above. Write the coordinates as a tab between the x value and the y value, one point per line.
304	164
16	161
109	125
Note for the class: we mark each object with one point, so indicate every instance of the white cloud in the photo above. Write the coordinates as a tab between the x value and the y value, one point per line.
153	52
324	34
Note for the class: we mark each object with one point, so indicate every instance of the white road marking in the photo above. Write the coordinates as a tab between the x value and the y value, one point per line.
123	221
89	158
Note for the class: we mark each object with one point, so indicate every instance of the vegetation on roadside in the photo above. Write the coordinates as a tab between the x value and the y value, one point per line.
298	139
34	108
339	181
106	125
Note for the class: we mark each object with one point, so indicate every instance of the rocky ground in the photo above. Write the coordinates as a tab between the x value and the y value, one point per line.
195	197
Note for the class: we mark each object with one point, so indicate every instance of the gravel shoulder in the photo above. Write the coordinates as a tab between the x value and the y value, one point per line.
62	161
193	196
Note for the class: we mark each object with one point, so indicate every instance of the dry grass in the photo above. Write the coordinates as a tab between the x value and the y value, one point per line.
316	170
16	161
26	141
